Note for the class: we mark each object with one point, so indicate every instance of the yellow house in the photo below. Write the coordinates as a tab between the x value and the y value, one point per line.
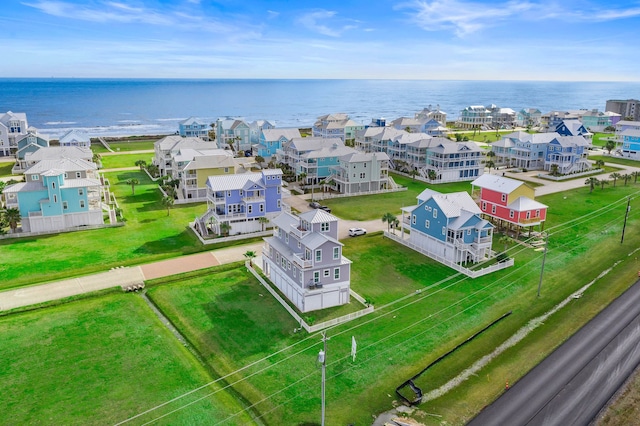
192	167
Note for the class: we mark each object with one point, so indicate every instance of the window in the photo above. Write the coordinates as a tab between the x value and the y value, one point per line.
326	273
278	204
336	252
493	209
528	215
316	277
261	208
336	274
249	209
53	185
511	214
413	219
288	265
283	263
503	197
318	255
295	272
468	231
81	203
241	192
426	224
78	175
444	230
324	227
278	190
226	170
228	193
55	198
484	205
362	175
65	205
299	244
537	213
286	238
80	191
435	213
35	177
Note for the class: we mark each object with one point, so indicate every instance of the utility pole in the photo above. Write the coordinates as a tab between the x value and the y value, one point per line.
544	257
626	215
322	359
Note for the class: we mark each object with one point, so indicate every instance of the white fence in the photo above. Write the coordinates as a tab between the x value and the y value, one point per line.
475	273
298	318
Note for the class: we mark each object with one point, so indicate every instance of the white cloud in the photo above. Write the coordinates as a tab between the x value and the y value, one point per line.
317	21
461	17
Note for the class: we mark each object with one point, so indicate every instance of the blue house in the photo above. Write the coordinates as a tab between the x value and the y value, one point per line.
572	128
630	143
448	227
57	195
193	127
240	201
30	142
568	153
271	140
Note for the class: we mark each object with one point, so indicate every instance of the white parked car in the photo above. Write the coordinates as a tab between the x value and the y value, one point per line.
357	231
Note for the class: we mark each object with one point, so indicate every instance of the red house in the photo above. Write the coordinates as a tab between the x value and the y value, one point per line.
509	200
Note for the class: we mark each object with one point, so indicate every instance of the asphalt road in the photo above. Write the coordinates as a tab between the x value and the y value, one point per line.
572	384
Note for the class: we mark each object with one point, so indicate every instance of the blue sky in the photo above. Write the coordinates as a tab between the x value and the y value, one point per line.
404	39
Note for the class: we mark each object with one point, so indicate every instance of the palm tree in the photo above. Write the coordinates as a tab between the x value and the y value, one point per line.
432	175
153	170
603	182
141	164
250	254
413	173
554	169
212	132
592	182
263	221
490	164
259	159
237	139
225	228
389	218
96	159
599	163
133	182
168	201
615	176
635	176
302	176
12	216
609	146
491	155
626	177
505	240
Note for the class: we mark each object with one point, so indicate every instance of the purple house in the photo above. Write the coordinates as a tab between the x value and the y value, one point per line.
304	260
240	201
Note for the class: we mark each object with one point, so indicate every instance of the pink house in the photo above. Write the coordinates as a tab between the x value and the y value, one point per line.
509	200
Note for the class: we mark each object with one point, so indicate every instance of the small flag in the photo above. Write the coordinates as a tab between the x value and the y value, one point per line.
354	346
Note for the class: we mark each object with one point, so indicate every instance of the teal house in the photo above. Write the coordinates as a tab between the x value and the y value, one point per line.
58	195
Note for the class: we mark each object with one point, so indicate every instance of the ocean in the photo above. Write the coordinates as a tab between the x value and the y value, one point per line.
121	107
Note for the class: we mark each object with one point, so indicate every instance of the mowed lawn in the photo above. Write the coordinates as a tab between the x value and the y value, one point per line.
124	146
368	207
149	234
423	311
100	361
124	160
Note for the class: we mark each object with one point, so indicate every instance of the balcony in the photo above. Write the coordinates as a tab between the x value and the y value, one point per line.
35	214
300	262
298	231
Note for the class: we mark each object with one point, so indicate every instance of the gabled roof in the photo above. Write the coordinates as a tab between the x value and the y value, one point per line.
275	134
497	183
53	152
468	219
630	132
331	151
10	115
451	204
313	143
191	120
571	141
285	220
317	216
361	157
525	203
233	182
175	142
74	135
61	164
238	123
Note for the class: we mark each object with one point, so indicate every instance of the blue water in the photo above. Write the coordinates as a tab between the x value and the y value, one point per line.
110	107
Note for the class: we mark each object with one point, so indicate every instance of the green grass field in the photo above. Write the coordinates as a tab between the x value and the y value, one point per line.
100	361
124	160
615	160
5	169
409	329
149	234
124	146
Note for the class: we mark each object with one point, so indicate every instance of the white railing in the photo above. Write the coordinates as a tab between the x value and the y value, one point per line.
475	273
298	318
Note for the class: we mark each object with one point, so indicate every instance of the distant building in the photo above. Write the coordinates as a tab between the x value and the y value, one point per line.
304	260
13	125
166	148
629	109
359	173
475	117
233	133
31	141
630	143
336	126
194	127
51	153
256	127
77	138
529	117
272	140
192	167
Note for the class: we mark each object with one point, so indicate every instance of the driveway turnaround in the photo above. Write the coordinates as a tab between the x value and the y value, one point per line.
574	383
